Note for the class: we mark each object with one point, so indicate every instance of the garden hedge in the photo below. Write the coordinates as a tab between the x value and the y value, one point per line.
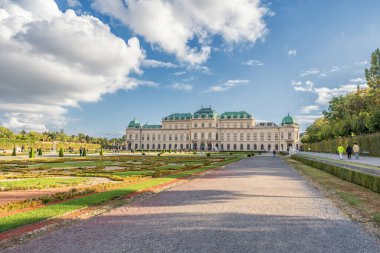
368	142
360	178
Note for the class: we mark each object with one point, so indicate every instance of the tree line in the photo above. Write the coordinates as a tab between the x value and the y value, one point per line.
7	134
356	113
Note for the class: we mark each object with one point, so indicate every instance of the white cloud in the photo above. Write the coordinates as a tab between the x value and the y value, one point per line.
326	94
292	52
149	63
73	3
308	86
180	73
311	71
296	83
203	69
253	63
357	80
309	108
181	86
306	119
337	69
227	85
172	24
365	62
51	60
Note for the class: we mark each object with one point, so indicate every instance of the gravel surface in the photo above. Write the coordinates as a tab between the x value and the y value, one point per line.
366	160
256	205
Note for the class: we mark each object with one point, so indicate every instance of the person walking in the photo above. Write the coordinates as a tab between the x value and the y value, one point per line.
340	150
349	151
356	150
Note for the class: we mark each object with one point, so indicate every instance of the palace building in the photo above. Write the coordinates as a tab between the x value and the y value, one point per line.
207	130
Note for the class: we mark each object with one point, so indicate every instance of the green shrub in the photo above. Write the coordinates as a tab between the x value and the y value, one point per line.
14	151
143	153
371	182
208	154
158	154
40	151
60	154
31	153
84	152
101	152
253	154
249	155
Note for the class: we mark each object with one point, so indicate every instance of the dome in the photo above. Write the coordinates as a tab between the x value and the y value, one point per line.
134	124
288	120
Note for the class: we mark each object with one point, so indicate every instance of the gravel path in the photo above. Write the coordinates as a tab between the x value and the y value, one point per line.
366	160
255	205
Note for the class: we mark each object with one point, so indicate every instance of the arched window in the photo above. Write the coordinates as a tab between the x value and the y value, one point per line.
241	147
216	136
262	146
228	147
202	135
276	146
269	147
254	147
195	125
235	147
203	125
210	135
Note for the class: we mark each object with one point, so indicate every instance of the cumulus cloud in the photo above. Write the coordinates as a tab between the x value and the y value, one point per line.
173	24
227	85
309	108
311	71
50	60
73	3
306	119
299	86
358	80
181	86
253	63
292	52
149	63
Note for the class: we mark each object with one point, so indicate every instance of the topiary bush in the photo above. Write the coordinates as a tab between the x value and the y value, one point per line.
40	151
249	155
14	151
60	154
101	152
31	153
208	154
84	152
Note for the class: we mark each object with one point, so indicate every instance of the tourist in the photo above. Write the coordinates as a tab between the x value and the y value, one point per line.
349	151
274	153
356	150
340	150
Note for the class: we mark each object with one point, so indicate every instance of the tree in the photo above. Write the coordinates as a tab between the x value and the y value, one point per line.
373	73
14	151
60	152
31	153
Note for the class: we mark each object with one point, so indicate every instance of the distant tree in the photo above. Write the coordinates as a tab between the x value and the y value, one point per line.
31	153
60	154
373	73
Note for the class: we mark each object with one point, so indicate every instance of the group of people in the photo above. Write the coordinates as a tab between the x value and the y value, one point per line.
349	150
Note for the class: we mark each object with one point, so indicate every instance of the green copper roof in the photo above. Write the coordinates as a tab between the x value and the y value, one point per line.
178	116
134	124
288	120
206	112
236	115
151	126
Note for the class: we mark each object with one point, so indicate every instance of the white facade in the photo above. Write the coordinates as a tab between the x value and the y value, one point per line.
206	130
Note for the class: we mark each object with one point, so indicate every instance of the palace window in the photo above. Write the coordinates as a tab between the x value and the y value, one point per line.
159	137
228	147
153	137
216	136
254	147
187	136
209	124
228	136
170	137
235	147
221	136
269	147
248	147
147	137
261	136
241	147
195	136
269	136
282	135
248	125
176	137
147	146
276	136
130	137
255	136
142	137
195	125
181	137
209	135
203	125
289	135
136	137
202	136
164	137
248	136
235	136
241	136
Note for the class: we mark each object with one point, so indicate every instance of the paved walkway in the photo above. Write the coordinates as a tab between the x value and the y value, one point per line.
255	205
373	161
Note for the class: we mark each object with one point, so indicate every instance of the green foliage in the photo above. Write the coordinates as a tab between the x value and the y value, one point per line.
373	73
355	113
60	152
14	151
31	153
84	152
101	152
208	154
366	180
40	151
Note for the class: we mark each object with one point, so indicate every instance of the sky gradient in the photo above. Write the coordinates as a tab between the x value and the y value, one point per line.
92	66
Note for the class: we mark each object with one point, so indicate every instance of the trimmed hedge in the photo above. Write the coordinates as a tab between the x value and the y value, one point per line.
368	142
9	144
366	180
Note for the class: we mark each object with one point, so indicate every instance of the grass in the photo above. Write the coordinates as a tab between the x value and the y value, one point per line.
40	183
133	173
71	164
46	212
363	200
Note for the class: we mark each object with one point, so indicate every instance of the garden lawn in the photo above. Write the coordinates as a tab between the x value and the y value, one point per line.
72	164
41	183
46	212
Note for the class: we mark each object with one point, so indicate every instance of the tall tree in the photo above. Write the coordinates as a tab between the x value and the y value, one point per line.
373	73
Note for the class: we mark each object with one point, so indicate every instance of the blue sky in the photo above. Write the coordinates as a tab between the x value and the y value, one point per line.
292	56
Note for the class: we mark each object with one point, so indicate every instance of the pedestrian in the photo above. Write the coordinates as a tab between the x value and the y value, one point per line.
356	150
274	153
340	150
349	151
